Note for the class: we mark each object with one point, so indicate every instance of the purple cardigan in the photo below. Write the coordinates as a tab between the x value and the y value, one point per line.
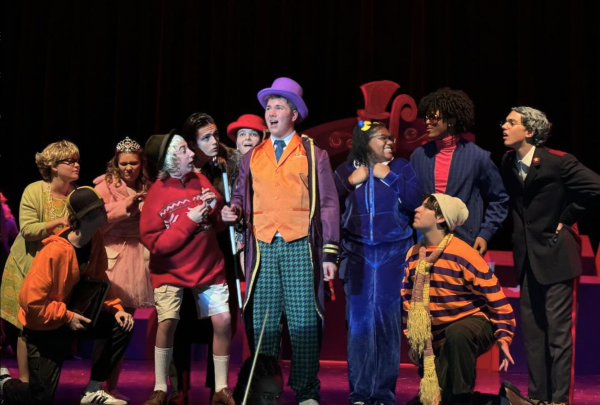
325	217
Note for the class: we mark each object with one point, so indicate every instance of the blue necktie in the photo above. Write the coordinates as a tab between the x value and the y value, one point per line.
279	145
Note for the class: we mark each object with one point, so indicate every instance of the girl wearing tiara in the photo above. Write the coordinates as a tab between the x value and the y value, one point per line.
123	189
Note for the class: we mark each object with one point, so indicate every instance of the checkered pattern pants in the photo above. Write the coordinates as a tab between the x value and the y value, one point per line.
285	284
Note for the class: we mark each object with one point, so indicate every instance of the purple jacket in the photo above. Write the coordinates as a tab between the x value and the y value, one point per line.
324	229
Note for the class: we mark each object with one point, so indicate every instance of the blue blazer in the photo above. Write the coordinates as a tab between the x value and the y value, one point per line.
474	179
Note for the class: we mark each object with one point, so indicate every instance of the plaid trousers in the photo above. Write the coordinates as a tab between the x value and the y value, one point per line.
285	284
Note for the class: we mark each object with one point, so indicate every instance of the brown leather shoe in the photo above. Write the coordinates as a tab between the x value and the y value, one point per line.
157	398
223	397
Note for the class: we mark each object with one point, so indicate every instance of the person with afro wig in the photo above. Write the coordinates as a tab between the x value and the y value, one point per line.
452	165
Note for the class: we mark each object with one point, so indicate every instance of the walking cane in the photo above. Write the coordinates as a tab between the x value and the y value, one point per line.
262	332
236	257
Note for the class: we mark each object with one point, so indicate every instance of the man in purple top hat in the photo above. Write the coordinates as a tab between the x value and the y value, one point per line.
287	197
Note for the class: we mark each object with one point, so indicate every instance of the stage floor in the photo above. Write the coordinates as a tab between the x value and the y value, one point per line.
137	381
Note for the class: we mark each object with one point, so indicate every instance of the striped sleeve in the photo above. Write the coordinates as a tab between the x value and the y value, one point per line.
331	251
484	285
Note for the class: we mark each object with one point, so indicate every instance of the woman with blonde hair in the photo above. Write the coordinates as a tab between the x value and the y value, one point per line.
43	212
123	189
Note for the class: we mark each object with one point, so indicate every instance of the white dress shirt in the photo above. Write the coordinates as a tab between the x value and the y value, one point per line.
524	164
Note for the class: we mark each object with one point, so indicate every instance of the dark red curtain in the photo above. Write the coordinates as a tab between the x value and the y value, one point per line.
96	71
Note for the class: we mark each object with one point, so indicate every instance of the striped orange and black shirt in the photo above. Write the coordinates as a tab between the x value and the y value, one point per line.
461	285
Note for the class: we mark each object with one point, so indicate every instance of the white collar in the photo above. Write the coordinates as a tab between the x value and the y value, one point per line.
527	158
286	139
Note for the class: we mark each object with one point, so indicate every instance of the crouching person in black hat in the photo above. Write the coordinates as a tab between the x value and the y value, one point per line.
48	323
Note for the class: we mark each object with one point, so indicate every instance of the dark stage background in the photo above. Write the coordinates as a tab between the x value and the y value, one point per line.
96	71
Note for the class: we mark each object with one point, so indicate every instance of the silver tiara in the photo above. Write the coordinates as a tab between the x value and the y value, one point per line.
128	146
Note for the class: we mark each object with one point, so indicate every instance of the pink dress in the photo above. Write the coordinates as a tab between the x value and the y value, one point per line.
128	258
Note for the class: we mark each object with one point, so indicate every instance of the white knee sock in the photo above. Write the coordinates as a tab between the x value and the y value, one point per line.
162	361
221	369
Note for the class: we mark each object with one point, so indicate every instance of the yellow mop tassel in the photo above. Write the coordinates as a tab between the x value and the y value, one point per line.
419	326
429	390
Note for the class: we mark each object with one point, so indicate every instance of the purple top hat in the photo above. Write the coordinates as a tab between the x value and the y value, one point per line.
289	89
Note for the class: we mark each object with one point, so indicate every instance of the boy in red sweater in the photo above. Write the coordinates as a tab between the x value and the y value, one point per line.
179	221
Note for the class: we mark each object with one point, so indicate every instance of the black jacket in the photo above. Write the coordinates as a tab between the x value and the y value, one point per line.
557	189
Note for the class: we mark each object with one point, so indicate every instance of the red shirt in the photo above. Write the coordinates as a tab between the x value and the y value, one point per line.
182	252
443	159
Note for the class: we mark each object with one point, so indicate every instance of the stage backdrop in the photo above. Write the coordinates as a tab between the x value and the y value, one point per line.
96	71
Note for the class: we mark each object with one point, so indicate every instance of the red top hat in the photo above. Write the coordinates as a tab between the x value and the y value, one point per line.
246	121
377	96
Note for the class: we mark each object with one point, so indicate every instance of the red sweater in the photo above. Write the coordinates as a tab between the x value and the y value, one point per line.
182	253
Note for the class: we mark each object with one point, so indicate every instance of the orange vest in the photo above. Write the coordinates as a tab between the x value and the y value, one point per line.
281	199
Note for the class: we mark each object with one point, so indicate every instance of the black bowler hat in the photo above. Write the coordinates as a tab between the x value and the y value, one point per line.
83	200
156	148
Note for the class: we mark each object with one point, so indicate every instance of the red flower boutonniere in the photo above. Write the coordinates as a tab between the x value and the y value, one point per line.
536	160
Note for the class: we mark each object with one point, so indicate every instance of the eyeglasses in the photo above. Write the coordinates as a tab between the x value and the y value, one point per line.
68	162
385	138
511	123
433	119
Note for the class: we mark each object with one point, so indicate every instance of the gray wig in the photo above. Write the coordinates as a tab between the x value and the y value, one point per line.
535	121
171	166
